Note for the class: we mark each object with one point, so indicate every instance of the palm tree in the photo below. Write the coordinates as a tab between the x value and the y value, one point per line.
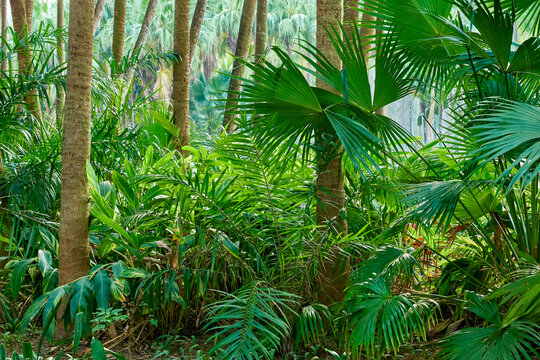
196	25
22	23
60	46
261	28
74	260
98	11
241	53
180	96
119	30
3	18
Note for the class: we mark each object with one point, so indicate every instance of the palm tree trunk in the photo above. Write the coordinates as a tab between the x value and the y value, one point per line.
98	11
331	209
24	54
143	36
74	258
60	45
29	6
119	30
4	66
196	25
261	29
241	52
180	95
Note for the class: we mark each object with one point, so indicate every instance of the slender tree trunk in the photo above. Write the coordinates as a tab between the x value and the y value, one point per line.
60	45
331	210
196	25
29	6
143	36
24	53
261	29
119	30
350	15
242	52
4	66
98	11
74	259
180	95
5	223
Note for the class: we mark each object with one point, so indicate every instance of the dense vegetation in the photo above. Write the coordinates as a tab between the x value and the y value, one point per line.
312	225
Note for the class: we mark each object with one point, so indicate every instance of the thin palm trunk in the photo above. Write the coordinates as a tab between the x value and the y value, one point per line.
261	29
61	60
350	15
29	6
196	25
241	53
180	95
24	53
98	11
143	36
119	30
4	66
74	259
331	211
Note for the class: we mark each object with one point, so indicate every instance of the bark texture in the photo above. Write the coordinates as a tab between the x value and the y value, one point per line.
330	180
3	7
74	259
119	30
241	52
261	29
98	11
24	53
196	25
61	59
29	6
350	15
180	94
331	212
143	36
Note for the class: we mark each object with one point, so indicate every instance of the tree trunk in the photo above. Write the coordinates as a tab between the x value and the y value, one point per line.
242	52
261	29
29	7
143	36
24	53
180	95
74	259
196	24
331	211
3	4
350	15
60	45
119	30
98	11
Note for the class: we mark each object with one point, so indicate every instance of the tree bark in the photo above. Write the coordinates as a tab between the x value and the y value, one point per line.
29	6
196	25
141	39
60	45
98	11
4	66
74	259
261	29
119	30
331	211
241	52
24	53
180	94
350	15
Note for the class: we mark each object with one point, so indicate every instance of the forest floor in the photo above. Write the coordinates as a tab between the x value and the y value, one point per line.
178	347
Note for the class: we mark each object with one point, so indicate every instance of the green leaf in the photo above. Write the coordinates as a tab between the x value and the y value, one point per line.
125	189
17	276
165	123
80	296
102	284
77	332
28	352
133	273
98	352
32	311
